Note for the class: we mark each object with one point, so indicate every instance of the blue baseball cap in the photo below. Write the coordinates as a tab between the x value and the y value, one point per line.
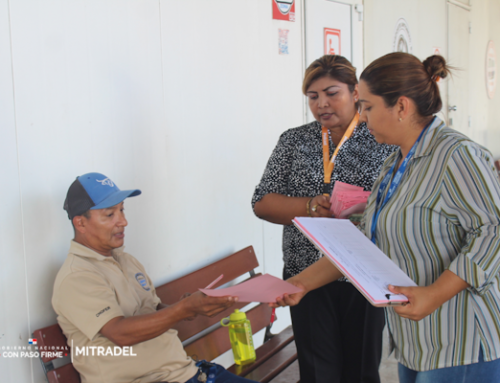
94	191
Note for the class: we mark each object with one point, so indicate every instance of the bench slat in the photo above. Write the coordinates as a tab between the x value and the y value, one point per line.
187	329
290	374
264	352
232	267
274	365
64	374
48	337
275	357
217	342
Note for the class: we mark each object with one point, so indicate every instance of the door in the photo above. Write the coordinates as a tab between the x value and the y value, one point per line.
458	56
328	30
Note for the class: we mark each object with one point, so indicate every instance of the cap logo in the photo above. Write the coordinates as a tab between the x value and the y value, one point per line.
106	181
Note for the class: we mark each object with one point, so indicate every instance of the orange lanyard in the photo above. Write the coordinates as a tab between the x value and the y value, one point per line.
329	164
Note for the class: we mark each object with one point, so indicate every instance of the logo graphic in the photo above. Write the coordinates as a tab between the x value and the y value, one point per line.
106	181
491	70
104	351
402	39
102	311
32	350
284	5
284	10
142	281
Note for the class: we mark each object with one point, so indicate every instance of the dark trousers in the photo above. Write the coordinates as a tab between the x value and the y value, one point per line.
338	336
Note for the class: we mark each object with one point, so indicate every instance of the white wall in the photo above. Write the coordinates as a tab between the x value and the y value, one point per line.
14	314
428	23
182	99
485	26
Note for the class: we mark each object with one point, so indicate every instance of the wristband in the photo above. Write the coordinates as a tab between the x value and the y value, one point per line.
308	207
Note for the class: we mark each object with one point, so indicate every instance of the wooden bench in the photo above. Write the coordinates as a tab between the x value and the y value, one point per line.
203	337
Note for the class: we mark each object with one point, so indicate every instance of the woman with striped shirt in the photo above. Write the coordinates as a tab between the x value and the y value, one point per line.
435	211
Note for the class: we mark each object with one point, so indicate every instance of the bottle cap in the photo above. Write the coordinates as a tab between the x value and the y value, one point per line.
237	316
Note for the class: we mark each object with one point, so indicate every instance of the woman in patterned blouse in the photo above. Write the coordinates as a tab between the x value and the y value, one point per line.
338	334
435	211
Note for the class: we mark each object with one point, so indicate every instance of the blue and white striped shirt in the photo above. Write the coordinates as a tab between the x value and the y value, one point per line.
445	215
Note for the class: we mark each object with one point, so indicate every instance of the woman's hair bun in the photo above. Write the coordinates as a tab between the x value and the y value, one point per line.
436	66
401	74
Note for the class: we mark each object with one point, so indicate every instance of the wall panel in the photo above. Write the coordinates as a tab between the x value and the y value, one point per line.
88	90
184	100
226	85
14	317
493	124
429	29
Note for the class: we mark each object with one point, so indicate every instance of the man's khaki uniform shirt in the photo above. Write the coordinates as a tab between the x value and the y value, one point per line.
89	291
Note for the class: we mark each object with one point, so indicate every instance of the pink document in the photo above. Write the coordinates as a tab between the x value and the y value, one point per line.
264	288
347	200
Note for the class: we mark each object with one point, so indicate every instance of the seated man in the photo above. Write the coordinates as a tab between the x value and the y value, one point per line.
104	298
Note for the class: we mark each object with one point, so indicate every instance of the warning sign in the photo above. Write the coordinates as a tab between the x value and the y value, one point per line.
284	10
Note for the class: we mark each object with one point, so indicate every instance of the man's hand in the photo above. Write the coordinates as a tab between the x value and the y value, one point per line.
185	295
201	304
135	329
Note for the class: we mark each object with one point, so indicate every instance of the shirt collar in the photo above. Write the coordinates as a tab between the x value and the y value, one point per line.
426	144
83	251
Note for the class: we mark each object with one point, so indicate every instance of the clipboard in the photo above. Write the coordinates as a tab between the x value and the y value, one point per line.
362	263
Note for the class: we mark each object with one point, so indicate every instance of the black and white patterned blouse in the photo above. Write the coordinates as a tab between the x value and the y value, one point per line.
295	169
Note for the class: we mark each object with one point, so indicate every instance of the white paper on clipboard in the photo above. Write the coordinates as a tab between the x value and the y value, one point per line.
363	263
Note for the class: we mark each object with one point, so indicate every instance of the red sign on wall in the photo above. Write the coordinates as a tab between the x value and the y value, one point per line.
332	41
284	10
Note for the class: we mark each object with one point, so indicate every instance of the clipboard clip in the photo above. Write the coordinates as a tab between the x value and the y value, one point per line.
388	296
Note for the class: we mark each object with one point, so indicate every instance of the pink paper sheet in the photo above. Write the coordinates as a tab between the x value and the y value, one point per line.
345	197
264	288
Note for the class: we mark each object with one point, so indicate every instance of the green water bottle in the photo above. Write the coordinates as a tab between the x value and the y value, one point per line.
240	336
